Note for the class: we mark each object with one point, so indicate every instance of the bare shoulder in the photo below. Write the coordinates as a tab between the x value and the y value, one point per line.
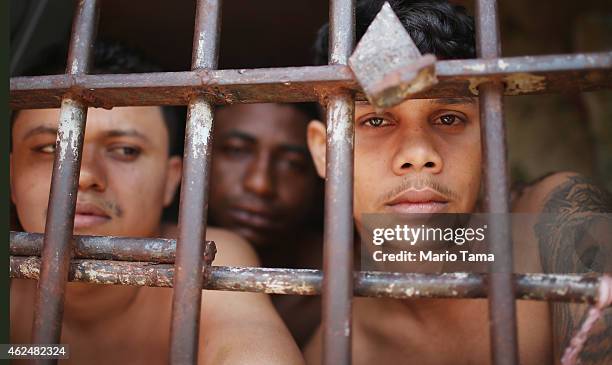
232	250
572	231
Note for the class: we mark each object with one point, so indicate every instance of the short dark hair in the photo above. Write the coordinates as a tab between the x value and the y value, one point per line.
112	57
435	26
308	109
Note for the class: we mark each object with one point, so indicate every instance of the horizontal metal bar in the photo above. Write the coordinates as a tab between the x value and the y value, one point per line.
159	250
545	287
521	75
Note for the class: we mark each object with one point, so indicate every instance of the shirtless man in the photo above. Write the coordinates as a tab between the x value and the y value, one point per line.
434	145
127	177
264	187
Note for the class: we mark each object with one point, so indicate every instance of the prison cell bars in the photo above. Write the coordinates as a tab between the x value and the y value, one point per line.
149	262
526	75
335	86
49	302
502	310
187	296
338	221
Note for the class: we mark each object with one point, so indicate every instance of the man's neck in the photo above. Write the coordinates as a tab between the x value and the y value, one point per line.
296	251
90	304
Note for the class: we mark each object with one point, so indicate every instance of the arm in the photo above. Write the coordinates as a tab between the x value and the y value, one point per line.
241	328
573	208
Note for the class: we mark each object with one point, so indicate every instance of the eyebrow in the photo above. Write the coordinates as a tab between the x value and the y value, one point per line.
443	101
126	133
40	130
251	139
453	101
238	134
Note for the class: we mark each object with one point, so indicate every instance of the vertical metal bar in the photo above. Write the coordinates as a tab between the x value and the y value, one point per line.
502	308
188	280
49	304
338	235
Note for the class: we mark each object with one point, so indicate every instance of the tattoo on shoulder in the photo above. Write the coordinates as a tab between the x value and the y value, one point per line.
572	227
574	234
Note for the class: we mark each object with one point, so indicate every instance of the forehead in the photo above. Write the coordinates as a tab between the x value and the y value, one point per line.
263	121
416	104
148	120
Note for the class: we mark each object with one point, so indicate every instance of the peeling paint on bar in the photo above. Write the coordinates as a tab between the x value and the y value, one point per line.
524	83
187	296
57	250
340	129
555	287
574	72
69	131
158	250
501	64
502	306
476	67
200	131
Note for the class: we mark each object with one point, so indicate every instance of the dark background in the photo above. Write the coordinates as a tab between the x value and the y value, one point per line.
254	33
570	131
272	33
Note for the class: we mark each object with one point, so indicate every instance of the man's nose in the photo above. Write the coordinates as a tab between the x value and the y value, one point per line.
259	179
93	174
416	153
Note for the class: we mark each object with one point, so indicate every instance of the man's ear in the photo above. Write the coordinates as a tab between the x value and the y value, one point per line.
317	137
173	178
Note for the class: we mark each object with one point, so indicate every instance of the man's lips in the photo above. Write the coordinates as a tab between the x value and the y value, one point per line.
253	217
418	201
88	215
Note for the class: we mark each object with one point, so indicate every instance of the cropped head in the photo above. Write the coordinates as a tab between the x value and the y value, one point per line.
263	183
422	155
129	172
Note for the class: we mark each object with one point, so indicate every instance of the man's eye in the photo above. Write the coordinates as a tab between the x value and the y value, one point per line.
376	122
448	119
126	152
48	148
235	150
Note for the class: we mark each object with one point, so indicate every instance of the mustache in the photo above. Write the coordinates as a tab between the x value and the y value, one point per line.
108	206
420	183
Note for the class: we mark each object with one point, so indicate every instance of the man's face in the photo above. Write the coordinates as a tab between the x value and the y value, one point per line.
126	174
263	182
422	156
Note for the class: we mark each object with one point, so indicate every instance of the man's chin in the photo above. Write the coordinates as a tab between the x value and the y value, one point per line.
96	231
253	236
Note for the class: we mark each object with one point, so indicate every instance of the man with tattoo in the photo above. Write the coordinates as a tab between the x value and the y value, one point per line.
424	156
128	175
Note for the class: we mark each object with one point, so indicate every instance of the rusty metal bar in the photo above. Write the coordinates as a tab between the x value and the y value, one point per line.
158	250
337	294
522	76
502	307
187	296
545	287
49	303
